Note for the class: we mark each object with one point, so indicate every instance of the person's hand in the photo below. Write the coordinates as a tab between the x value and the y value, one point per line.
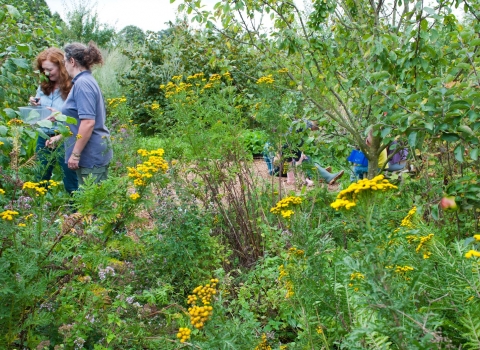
73	162
51	117
52	142
34	101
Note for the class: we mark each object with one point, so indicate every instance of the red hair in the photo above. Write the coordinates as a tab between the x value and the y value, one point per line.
55	56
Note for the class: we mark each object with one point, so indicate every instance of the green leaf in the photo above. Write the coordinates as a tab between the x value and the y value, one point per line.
429	126
458	152
380	75
32	134
450	137
472	115
3	130
475	42
71	120
2	16
21	63
45	123
385	132
412	139
111	335
474	154
13	11
23	48
466	129
464	66
434	212
41	133
10	113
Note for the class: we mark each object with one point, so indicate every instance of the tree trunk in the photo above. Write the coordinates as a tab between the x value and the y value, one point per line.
372	156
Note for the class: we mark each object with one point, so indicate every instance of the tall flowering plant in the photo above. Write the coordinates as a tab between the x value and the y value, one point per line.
363	195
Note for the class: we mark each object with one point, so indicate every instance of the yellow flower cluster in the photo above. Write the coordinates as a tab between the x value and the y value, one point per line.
215	77
266	80
407	220
282	207
283	274
263	345
115	102
1	143
15	122
200	314
357	275
283	70
183	334
147	169
39	189
8	214
2	191
422	245
298	253
134	196
400	269
172	88
155	106
348	198
472	253
195	76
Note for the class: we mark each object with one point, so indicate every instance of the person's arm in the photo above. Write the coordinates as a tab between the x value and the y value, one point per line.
85	97
85	130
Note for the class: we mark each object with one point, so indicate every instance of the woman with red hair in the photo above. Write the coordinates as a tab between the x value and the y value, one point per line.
52	93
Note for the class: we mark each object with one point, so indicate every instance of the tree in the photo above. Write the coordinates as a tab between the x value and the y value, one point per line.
131	34
83	25
400	69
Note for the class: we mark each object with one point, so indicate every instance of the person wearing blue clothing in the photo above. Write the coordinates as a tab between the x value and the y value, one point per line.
52	93
87	150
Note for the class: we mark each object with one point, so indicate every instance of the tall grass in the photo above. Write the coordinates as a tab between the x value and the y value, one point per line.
115	64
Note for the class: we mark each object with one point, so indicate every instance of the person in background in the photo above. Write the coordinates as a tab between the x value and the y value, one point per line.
360	171
399	159
52	93
88	150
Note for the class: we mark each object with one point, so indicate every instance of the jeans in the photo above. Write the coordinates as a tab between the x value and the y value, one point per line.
360	171
396	166
48	157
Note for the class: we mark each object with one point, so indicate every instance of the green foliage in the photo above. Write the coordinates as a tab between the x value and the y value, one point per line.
83	26
131	35
254	141
24	34
112	267
109	74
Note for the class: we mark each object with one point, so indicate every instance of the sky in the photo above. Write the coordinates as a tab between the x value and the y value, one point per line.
145	14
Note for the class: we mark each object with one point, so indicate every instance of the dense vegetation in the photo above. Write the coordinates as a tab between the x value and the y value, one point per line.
185	246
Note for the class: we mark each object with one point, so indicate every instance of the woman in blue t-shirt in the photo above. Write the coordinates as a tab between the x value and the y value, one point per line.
52	93
88	150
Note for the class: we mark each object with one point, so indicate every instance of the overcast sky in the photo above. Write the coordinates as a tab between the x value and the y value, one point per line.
145	14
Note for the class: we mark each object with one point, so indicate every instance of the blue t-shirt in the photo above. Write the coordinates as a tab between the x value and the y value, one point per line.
85	101
53	100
